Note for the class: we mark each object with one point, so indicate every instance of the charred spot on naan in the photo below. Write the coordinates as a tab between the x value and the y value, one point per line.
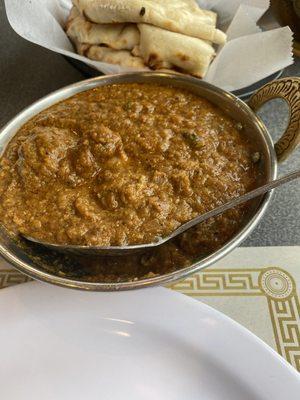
182	57
152	60
143	11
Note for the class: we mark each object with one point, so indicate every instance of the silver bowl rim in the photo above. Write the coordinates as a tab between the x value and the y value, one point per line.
182	273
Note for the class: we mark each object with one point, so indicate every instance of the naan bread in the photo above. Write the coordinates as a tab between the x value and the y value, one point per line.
193	6
116	36
173	15
160	48
110	56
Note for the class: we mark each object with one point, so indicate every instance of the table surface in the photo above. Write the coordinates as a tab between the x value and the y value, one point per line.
29	72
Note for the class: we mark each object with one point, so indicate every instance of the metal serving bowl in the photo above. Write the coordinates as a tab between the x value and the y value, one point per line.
44	265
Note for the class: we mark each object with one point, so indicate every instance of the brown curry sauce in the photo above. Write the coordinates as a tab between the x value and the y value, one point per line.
125	164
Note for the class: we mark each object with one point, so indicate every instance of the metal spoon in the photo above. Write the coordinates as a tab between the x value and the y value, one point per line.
121	250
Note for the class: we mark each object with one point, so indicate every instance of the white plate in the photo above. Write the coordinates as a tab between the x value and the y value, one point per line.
150	344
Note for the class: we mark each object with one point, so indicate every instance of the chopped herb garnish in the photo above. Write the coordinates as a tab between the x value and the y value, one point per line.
255	157
239	126
190	136
193	139
127	106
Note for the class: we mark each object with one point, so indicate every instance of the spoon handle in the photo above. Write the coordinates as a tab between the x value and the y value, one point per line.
236	201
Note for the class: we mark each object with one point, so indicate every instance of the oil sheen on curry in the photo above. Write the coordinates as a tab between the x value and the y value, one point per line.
125	164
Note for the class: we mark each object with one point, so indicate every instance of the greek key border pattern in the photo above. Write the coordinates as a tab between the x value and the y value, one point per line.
274	283
11	277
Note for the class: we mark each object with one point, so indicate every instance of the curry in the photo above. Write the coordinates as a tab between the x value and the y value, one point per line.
126	164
